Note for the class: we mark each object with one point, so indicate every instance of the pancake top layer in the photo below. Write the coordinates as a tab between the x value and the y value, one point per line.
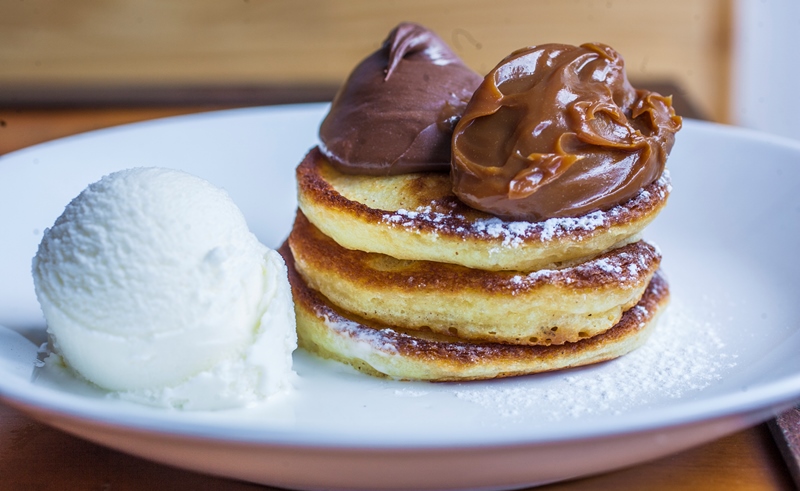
424	202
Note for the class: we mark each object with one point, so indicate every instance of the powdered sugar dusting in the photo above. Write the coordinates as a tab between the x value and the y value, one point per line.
556	227
514	233
625	266
372	339
682	356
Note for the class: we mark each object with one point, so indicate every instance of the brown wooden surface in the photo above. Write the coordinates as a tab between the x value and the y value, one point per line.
34	456
80	47
785	430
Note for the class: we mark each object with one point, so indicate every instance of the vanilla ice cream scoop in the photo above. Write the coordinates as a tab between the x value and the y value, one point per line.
153	287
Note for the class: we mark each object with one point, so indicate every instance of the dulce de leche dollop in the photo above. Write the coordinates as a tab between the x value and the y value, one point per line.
396	112
558	131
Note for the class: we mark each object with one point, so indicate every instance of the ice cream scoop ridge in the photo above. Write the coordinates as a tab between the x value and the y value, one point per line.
153	287
558	131
396	112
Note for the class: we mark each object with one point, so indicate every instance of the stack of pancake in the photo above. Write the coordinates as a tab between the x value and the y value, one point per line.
459	227
397	277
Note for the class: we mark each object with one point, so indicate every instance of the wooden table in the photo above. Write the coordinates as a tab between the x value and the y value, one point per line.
34	456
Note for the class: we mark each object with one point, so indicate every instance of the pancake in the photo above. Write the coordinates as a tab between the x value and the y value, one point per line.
543	307
411	355
417	217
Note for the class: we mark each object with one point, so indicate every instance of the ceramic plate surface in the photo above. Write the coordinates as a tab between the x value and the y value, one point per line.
723	357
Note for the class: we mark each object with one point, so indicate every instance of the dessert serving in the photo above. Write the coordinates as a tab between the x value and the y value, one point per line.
450	227
522	254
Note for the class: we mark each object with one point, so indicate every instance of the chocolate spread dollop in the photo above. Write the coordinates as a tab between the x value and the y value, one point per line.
396	112
558	131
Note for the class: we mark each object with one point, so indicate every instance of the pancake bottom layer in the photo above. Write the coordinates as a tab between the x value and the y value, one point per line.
414	355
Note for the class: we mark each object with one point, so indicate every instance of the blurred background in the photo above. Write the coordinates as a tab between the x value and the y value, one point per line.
723	60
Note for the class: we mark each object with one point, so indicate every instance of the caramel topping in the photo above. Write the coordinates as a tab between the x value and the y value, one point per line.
397	110
557	131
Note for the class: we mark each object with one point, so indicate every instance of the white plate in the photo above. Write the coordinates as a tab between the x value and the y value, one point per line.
724	357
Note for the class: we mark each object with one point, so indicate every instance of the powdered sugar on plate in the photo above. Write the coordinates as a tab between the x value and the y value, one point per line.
683	355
